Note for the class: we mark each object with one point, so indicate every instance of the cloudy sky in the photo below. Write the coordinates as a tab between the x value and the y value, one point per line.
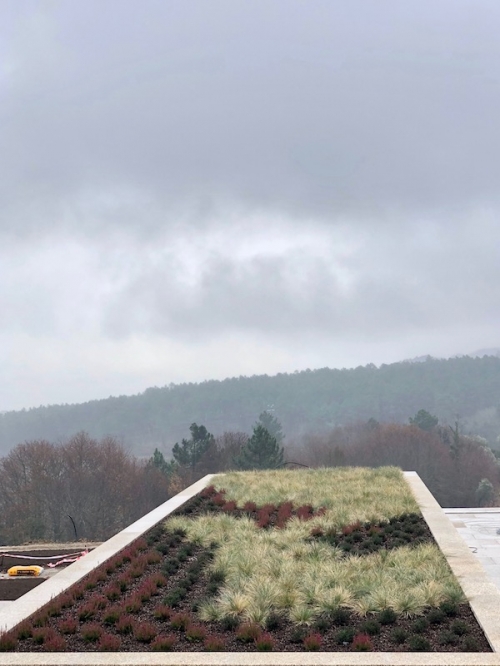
197	189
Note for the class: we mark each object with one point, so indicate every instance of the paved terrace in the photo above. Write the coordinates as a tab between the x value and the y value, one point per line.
480	529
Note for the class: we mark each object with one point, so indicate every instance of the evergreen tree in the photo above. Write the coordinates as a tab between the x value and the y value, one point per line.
272	425
485	493
424	420
158	462
190	452
262	451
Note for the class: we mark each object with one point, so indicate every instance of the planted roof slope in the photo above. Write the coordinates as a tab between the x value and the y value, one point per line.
285	570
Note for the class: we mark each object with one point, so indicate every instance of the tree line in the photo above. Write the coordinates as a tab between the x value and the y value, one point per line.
89	489
307	401
82	489
459	470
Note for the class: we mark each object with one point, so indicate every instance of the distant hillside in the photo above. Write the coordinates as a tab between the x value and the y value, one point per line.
312	400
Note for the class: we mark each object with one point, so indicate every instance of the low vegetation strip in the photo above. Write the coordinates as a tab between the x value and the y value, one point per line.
216	577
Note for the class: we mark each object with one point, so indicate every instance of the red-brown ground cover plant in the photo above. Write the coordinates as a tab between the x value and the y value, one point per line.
146	597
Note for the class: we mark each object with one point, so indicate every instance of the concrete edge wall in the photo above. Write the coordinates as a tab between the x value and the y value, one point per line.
483	596
482	593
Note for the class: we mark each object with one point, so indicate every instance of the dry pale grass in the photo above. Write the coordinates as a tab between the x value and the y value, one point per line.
267	570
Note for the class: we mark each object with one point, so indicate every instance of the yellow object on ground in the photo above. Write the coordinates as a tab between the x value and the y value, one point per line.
32	570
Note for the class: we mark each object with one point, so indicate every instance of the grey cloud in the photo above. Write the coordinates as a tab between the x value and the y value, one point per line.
303	177
399	284
315	110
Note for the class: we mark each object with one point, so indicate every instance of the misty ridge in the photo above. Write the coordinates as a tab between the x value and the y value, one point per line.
85	471
305	402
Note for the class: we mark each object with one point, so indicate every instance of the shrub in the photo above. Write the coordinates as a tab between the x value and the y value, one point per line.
250	507
86	612
230	622
459	627
163	643
40	620
196	633
137	570
387	616
218	499
419	644
436	616
399	635
339	616
229	506
7	642
153	557
162	612
304	512
362	643
175	597
248	632
449	608
53	609
132	605
180	621
124	625
298	634
91	632
214	644
264	642
100	602
112	615
67	600
469	645
159	580
78	593
24	630
146	591
188	548
39	635
113	592
109	643
370	627
312	642
420	625
68	626
54	643
273	621
448	638
90	584
345	636
123	583
171	566
144	632
212	588
322	624
128	554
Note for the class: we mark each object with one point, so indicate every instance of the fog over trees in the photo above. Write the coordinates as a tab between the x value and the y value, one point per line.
312	401
87	489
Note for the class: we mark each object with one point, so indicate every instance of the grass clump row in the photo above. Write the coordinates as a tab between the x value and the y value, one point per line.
288	572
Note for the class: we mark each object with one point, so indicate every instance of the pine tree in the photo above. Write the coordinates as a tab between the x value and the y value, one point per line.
158	462
262	451
272	425
190	452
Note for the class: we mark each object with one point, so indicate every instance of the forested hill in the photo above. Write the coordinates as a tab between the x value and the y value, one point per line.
312	400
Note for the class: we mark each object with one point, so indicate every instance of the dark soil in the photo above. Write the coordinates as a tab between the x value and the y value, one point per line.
187	582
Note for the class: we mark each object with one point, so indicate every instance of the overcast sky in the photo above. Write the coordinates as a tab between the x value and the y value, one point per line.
199	189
